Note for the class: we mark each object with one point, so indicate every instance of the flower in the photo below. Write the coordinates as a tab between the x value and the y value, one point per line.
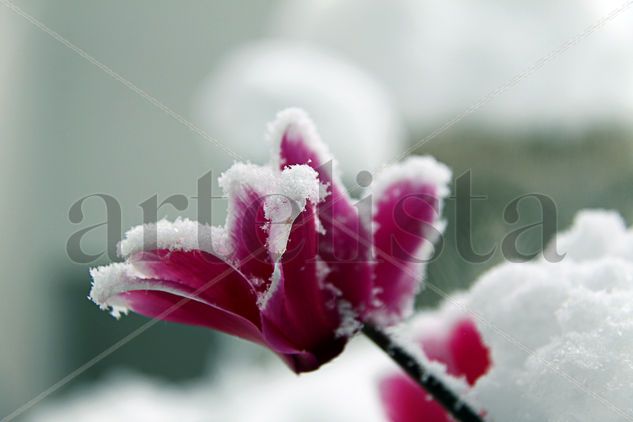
461	349
293	267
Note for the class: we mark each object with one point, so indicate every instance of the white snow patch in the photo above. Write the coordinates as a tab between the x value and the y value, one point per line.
109	281
284	196
182	234
275	280
561	334
594	234
300	128
350	324
421	170
424	170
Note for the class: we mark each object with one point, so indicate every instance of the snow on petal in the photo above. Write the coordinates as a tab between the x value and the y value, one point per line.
248	187
345	243
182	234
407	207
190	287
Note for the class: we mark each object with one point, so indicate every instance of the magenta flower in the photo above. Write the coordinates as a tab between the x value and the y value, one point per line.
465	355
293	269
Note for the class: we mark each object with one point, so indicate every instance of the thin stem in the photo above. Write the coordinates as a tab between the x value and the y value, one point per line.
457	408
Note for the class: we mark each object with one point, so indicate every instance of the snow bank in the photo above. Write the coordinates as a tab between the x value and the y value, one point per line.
561	335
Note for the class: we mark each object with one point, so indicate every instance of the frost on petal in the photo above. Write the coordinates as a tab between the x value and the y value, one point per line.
182	234
407	207
248	187
301	308
190	287
262	207
298	185
344	243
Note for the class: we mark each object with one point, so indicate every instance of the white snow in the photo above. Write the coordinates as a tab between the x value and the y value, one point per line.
350	324
181	234
424	170
285	195
110	280
561	334
344	390
249	86
419	169
440	57
300	128
595	234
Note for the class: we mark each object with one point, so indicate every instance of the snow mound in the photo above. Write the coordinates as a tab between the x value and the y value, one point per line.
561	334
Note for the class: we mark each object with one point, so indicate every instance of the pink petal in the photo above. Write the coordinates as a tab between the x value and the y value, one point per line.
465	355
300	309
247	187
470	355
405	401
461	349
346	243
215	294
407	200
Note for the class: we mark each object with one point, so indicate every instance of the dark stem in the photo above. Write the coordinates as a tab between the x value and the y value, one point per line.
429	382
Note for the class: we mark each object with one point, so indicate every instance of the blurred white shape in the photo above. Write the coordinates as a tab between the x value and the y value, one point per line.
352	112
127	397
342	391
440	57
572	328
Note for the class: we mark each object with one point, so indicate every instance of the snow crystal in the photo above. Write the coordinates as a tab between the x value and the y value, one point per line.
107	282
349	320
127	397
595	234
561	334
424	170
284	193
275	280
182	234
296	123
417	169
260	78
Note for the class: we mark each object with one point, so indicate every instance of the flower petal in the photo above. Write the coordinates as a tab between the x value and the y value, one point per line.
247	187
405	401
345	243
190	287
300	306
407	205
471	357
460	349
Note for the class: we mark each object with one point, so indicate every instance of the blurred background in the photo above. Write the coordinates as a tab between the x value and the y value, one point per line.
377	77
